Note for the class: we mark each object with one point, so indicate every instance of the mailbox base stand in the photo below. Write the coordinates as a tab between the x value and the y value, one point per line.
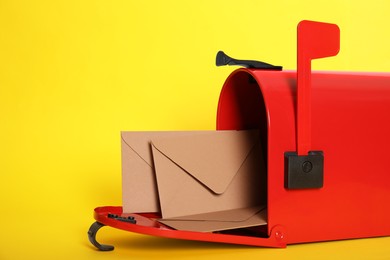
92	237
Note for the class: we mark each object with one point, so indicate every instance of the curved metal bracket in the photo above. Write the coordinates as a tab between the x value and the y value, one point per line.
92	237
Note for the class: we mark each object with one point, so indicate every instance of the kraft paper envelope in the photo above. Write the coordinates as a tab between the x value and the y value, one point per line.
139	188
203	174
221	220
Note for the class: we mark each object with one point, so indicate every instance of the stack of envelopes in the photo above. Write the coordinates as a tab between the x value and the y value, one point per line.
199	180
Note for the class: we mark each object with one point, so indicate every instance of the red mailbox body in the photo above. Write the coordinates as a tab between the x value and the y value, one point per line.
349	124
343	115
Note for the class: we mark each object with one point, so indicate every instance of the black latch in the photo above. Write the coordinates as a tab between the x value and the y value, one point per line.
222	59
129	219
304	171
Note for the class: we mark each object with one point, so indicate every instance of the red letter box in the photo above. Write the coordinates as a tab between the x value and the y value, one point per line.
325	139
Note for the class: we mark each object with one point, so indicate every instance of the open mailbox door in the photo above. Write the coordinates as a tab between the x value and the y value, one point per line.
324	138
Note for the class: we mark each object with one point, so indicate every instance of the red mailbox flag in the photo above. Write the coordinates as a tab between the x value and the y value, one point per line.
315	40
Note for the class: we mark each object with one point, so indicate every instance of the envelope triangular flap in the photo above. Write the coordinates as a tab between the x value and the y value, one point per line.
224	152
139	142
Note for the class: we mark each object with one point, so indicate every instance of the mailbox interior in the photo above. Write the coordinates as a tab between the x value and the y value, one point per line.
242	107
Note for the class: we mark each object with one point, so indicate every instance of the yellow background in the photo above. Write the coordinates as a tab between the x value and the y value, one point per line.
74	73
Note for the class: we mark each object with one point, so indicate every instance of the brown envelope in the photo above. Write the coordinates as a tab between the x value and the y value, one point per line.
139	188
221	220
202	174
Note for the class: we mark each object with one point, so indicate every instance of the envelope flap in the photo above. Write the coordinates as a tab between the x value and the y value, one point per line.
139	142
258	219
213	158
233	215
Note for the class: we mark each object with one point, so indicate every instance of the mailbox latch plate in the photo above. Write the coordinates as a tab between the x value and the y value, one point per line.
304	171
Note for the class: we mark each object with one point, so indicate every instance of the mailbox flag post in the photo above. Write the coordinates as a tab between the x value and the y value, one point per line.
304	169
315	40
